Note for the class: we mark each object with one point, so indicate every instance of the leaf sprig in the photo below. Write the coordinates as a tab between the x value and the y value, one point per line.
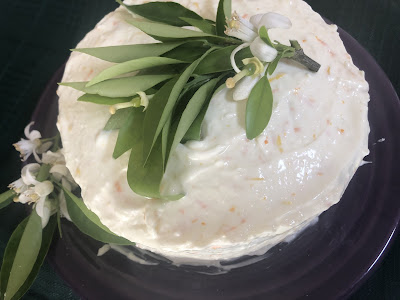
179	75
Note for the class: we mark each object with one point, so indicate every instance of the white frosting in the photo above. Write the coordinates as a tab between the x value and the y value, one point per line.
241	195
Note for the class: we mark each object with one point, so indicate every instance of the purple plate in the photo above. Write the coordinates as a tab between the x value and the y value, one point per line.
328	260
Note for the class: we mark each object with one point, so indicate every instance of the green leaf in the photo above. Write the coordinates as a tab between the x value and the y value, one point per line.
47	237
163	32
263	32
89	223
117	120
166	31
258	108
219	60
119	54
126	134
224	11
162	105
164	140
194	132
273	64
163	12
145	179
120	87
132	66
187	53
20	256
203	25
192	110
6	198
97	99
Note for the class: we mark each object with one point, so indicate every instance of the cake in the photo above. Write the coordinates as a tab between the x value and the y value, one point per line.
241	196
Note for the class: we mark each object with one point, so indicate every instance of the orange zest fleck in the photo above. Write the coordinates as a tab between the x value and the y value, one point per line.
279	76
321	41
194	221
202	223
328	71
296	129
341	131
232	209
320	174
117	187
266	142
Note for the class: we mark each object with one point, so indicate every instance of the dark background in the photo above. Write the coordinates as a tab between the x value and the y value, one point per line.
35	36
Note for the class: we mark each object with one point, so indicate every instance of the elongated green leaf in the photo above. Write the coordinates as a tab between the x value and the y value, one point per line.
118	119
89	223
126	134
258	108
93	98
132	66
161	107
224	11
192	110
120	87
273	64
194	132
47	238
6	198
203	25
166	31
145	179
219	60
20	255
119	54
164	140
188	52
163	12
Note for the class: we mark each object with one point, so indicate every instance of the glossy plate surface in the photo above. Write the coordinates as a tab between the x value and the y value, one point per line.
328	260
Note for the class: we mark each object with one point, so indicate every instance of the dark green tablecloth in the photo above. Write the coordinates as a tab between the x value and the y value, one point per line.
35	36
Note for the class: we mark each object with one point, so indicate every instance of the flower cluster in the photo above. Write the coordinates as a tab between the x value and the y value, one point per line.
37	183
248	32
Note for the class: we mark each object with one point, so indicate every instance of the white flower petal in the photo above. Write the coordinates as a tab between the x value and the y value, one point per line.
23	198
29	172
53	158
18	186
60	169
243	88
262	51
43	209
271	20
27	129
44	188
241	28
63	206
34	135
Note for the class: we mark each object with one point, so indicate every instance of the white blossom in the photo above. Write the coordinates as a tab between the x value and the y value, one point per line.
31	145
18	186
43	204
240	28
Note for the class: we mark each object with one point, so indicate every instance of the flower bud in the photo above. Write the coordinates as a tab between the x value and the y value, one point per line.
243	88
262	51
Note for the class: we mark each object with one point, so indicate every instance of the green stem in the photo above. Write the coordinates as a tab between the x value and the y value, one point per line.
302	58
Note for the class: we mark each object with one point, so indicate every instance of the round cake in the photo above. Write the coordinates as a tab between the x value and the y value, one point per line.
241	196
